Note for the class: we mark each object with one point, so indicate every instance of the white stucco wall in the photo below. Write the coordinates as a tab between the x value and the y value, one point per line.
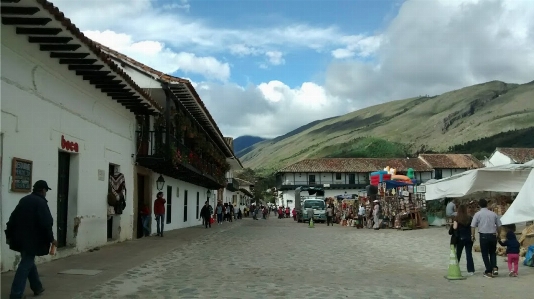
178	203
498	159
41	101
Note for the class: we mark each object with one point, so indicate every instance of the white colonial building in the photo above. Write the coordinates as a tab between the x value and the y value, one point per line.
245	195
350	176
447	165
106	132
196	161
61	124
230	193
340	176
505	156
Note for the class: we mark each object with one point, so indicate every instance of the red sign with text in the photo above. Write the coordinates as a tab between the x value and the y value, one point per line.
69	145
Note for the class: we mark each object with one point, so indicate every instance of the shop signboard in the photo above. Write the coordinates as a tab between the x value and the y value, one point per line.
21	175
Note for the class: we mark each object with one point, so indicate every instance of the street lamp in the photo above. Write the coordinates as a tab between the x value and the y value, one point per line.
160	182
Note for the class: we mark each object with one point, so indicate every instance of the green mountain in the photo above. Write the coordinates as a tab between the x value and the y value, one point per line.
443	123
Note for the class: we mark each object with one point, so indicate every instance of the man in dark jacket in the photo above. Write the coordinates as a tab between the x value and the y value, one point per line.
206	215
29	231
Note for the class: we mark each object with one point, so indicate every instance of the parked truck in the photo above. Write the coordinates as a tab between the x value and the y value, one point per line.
314	200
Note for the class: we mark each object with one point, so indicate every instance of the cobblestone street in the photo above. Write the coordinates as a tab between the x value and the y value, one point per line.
282	259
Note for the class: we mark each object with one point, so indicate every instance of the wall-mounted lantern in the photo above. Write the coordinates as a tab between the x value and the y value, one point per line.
160	183
208	193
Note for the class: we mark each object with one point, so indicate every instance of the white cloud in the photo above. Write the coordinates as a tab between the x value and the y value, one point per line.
275	57
430	47
435	46
269	109
183	4
159	57
363	46
151	22
243	50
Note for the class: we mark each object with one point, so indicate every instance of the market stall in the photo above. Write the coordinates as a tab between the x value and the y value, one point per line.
505	178
402	208
522	209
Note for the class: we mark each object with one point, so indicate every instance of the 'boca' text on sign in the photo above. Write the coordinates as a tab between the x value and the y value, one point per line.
69	145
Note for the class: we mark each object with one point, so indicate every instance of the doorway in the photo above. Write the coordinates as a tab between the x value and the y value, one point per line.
140	203
62	198
169	204
352	178
111	171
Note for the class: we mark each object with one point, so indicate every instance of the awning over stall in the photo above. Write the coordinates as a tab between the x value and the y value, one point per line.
505	178
522	209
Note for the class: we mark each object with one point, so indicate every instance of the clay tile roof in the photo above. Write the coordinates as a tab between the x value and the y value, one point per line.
94	47
452	161
171	80
355	165
519	155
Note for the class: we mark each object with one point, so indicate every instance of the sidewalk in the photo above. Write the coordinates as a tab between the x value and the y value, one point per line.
112	260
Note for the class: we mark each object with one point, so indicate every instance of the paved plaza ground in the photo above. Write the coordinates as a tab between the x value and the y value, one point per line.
276	259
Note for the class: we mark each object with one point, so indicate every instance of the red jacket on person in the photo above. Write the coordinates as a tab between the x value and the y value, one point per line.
159	206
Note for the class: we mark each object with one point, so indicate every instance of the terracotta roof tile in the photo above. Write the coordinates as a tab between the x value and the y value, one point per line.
354	165
519	155
94	47
452	161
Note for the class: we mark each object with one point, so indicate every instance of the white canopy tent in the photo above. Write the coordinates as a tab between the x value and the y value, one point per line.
505	178
522	209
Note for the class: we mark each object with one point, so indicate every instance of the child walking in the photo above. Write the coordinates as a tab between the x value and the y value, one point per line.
512	250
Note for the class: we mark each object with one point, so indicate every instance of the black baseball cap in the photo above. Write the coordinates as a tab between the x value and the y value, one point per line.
40	184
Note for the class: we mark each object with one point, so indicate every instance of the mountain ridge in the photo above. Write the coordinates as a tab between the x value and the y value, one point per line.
424	123
241	143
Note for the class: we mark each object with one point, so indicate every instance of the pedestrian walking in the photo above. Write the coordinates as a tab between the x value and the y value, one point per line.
462	231
376	215
159	212
512	250
310	215
29	231
206	215
219	213
329	216
488	224
145	218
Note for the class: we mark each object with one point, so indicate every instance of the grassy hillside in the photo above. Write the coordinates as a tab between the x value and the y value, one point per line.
406	126
242	143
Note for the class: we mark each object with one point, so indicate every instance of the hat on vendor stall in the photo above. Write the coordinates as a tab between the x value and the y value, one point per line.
375	200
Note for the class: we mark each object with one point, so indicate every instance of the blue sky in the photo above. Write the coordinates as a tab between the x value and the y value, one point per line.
367	16
265	68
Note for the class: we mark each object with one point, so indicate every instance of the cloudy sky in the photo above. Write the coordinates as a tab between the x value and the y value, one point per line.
267	67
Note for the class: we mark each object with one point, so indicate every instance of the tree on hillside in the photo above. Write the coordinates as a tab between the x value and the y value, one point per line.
262	183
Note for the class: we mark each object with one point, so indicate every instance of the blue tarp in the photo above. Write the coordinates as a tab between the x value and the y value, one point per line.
394	184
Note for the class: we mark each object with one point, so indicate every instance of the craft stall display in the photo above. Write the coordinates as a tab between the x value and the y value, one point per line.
401	207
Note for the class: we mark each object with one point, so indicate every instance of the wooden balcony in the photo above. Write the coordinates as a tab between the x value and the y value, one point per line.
177	160
232	185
